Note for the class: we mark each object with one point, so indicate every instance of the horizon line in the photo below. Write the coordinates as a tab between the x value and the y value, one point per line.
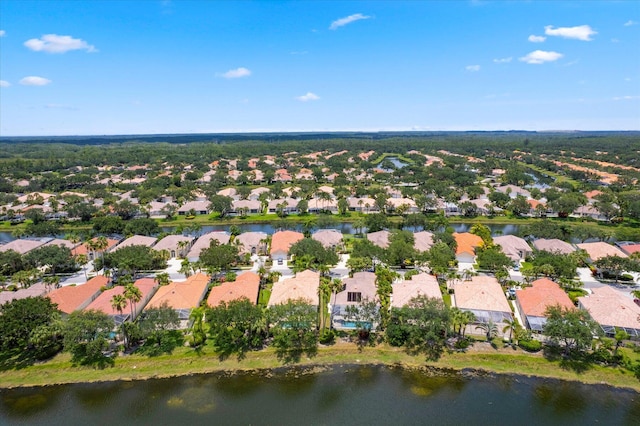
297	132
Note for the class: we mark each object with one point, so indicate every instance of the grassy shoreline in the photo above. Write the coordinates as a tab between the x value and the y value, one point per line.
185	361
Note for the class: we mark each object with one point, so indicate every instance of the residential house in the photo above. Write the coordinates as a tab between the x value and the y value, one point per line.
418	285
252	242
318	205
303	286
329	238
281	242
514	191
102	303
288	205
91	254
246	285
422	241
600	249
532	302
204	242
61	243
612	310
23	245
515	248
137	240
244	207
198	207
553	245
176	245
182	297
629	248
362	204
466	246
157	209
483	296
76	298
589	211
37	289
380	238
361	287
406	204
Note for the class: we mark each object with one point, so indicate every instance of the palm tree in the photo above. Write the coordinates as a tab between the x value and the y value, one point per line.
197	328
182	245
452	277
511	326
101	243
490	329
324	270
467	318
186	268
82	260
162	279
133	295
51	282
119	302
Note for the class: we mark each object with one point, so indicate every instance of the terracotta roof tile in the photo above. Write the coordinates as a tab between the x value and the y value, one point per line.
75	298
283	240
543	293
303	286
467	242
181	295
246	285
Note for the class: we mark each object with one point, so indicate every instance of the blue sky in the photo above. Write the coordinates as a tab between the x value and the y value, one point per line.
139	67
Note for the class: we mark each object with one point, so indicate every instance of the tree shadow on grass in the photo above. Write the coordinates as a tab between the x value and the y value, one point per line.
164	344
577	362
19	359
289	356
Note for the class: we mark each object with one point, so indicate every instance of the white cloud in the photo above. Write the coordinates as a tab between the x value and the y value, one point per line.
536	39
237	73
503	60
33	80
347	20
472	68
630	23
2	33
541	56
308	97
581	32
625	98
53	43
4	83
60	106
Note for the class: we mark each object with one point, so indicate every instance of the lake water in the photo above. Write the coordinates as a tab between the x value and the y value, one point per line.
343	227
343	395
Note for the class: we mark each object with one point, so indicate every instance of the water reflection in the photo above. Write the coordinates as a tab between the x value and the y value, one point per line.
350	394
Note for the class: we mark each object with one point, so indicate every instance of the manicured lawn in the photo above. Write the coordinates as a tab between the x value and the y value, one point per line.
187	361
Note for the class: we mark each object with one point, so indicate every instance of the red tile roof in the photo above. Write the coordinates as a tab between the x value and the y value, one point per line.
283	240
246	285
467	242
181	295
74	298
543	293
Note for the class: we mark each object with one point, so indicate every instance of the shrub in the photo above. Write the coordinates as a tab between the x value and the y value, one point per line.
530	345
410	273
327	337
462	344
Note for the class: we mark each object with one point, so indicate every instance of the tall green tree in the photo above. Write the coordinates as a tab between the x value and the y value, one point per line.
237	327
20	319
424	323
86	337
571	328
294	329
